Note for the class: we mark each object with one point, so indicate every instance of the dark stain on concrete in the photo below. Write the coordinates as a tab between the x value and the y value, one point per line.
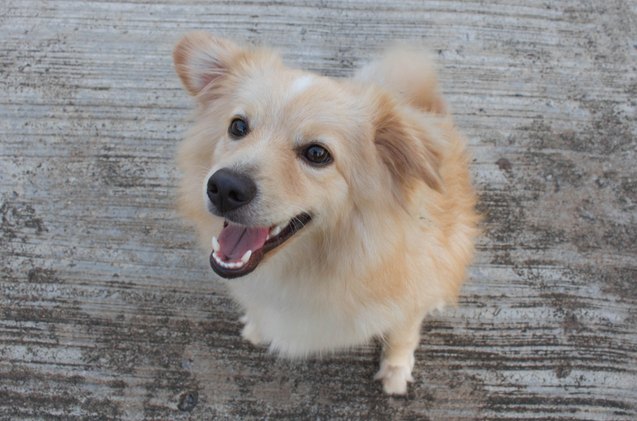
40	275
504	164
18	219
188	401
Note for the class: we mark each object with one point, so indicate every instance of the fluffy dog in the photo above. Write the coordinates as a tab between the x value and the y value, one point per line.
338	210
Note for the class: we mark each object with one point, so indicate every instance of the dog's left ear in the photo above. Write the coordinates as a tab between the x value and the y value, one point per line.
202	60
406	149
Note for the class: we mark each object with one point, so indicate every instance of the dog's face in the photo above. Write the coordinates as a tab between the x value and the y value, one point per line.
289	152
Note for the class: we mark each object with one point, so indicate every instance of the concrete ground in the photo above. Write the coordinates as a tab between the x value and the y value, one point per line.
108	311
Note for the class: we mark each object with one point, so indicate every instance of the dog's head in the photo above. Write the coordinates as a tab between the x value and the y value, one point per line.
290	151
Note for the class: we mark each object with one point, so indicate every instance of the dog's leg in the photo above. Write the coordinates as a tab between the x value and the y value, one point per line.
397	360
250	332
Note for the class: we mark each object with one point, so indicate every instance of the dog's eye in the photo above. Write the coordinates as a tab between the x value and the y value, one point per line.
316	155
238	128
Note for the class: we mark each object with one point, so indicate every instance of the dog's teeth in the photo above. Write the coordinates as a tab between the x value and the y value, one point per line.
215	244
232	265
246	257
275	231
235	265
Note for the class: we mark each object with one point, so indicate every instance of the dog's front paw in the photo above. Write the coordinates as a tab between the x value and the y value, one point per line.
395	377
250	332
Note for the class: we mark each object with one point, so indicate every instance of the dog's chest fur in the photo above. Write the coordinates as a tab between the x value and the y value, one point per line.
299	317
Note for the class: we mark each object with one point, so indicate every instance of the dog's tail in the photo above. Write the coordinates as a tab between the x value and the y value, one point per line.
410	74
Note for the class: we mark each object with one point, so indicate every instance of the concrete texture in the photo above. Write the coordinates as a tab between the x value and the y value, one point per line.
107	311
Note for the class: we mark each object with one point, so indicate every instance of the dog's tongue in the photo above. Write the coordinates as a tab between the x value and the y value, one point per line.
235	240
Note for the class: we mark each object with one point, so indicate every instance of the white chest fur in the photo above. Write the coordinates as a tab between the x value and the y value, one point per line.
303	317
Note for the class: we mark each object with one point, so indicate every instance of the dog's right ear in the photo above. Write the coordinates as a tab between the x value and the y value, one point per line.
406	149
202	60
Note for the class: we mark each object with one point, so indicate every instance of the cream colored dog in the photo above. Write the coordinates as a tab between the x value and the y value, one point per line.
339	210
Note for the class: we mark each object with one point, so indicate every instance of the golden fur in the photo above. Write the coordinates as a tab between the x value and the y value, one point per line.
393	219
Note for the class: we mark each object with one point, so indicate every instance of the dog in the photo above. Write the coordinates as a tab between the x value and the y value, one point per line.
337	211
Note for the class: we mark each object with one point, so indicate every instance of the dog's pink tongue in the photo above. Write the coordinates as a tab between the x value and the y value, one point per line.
235	240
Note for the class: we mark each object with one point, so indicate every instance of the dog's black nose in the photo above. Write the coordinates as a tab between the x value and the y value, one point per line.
229	190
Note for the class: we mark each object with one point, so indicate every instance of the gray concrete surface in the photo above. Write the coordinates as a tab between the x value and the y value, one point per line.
107	311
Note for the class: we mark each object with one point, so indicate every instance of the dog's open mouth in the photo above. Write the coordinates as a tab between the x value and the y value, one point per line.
240	248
